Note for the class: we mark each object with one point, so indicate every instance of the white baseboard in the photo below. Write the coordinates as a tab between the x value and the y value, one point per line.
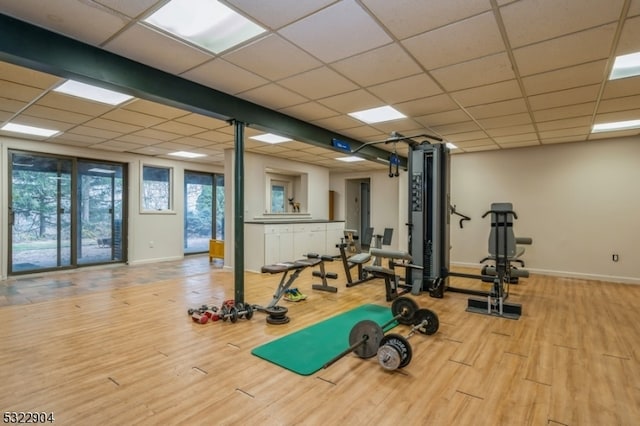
154	260
564	274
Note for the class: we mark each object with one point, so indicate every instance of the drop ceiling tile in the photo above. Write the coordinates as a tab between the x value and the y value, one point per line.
215	74
629	38
565	124
510	139
570	111
485	142
215	136
501	91
447	117
178	128
573	49
18	92
132	117
70	142
272	58
318	83
86	21
202	121
116	126
93	132
506	120
153	48
511	130
478	72
465	126
581	132
337	25
619	104
11	105
481	148
78	139
429	105
565	78
174	146
458	42
577	95
73	104
404	126
356	100
309	111
362	133
405	18
155	109
621	88
195	142
5	116
406	89
156	134
56	114
456	138
26	76
379	65
634	9
632	114
495	109
529	22
519	144
273	96
140	140
284	13
151	150
564	139
42	122
116	145
132	9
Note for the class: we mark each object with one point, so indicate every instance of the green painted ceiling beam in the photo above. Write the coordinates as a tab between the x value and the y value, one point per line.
43	50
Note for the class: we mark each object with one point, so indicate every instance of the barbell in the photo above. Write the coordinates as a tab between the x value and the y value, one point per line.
366	336
395	351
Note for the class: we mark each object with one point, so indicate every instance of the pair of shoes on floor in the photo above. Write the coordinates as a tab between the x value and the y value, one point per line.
294	295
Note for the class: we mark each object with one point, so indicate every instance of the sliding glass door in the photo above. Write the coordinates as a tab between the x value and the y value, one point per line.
203	210
100	212
63	212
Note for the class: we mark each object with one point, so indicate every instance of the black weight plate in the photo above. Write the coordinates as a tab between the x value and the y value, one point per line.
404	307
371	332
279	320
433	323
224	313
402	345
249	314
233	314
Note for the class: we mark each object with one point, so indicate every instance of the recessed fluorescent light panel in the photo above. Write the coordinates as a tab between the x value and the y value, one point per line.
206	23
378	115
626	66
186	154
614	126
29	130
451	146
351	159
93	93
270	138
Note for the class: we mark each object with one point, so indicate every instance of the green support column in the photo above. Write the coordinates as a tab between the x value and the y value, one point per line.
238	203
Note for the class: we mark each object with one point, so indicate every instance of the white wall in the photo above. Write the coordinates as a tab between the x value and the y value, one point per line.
578	201
165	230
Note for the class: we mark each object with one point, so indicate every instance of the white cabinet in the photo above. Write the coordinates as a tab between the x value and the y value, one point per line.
266	244
278	243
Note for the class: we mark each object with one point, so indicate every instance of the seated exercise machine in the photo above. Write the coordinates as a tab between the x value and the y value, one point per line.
429	217
394	283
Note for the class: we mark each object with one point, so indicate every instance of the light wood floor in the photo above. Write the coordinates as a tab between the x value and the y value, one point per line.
115	346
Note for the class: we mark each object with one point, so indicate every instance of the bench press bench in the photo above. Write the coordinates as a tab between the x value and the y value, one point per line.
394	284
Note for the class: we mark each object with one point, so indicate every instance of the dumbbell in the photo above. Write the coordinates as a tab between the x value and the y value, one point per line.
395	351
366	336
202	314
233	312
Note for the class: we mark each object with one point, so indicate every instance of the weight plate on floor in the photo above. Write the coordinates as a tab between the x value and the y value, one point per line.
404	307
224	313
401	345
371	333
432	322
233	314
249	314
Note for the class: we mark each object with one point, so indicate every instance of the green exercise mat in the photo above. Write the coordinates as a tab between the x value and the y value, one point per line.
307	350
